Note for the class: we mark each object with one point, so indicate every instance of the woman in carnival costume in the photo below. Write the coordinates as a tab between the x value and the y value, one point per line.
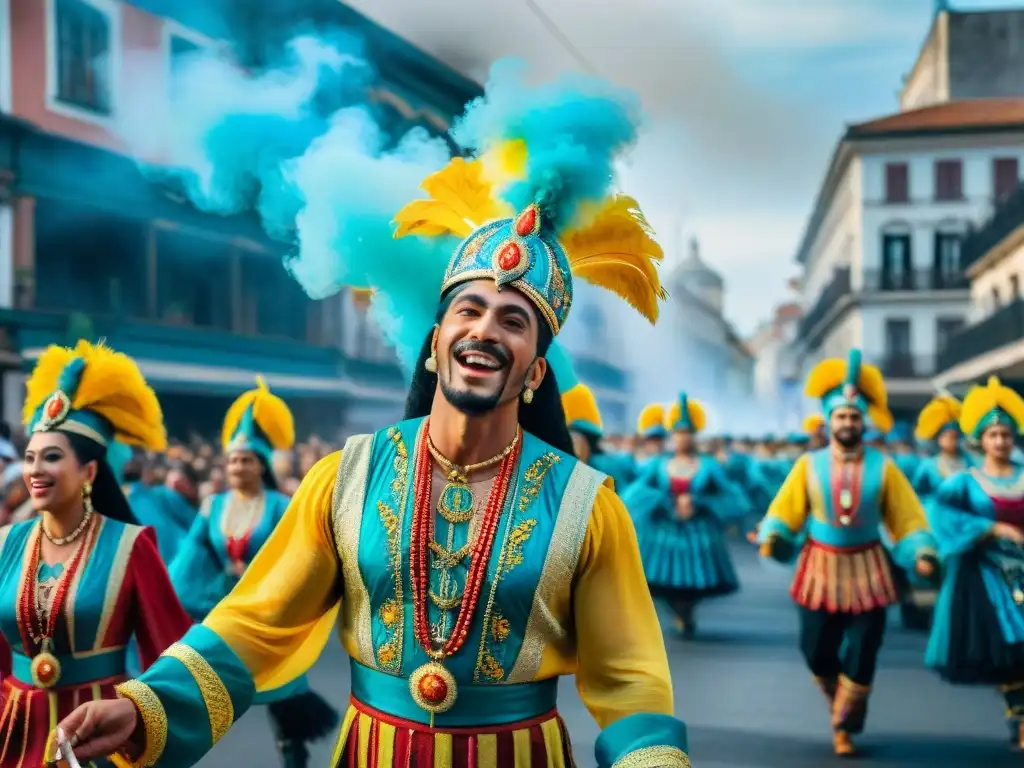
584	421
977	633
840	497
81	580
680	505
651	434
230	529
474	560
939	424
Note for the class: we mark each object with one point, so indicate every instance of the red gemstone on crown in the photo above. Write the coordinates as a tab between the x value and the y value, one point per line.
433	688
53	410
510	256
526	222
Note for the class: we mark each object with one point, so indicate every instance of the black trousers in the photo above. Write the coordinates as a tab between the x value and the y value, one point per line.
822	635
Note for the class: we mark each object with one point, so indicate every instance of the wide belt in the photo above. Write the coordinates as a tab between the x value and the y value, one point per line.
475	705
74	670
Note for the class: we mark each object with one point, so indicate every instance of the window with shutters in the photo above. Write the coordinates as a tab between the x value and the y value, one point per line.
897	274
946	260
945	329
949	180
83	62
897	183
1005	177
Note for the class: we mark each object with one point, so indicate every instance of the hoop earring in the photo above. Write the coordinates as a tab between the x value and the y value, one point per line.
527	396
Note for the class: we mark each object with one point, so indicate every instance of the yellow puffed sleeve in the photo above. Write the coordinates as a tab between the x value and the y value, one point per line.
280	615
622	664
901	509
790	506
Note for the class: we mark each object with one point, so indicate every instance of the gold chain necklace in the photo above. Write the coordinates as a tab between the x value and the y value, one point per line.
457	501
71	538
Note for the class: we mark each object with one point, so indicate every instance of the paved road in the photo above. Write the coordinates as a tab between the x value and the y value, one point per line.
747	698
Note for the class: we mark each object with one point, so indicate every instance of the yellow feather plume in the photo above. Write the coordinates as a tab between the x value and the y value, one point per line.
651	416
617	252
830	374
814	423
461	199
938	413
695	410
981	401
270	413
580	404
111	386
881	417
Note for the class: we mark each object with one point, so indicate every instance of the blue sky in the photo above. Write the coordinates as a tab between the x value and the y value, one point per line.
739	146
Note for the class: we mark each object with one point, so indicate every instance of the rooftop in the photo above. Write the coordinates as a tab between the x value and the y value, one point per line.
952	116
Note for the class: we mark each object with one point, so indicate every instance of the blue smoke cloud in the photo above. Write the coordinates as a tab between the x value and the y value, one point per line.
575	128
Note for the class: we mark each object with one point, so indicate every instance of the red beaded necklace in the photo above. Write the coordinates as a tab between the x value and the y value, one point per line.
419	545
37	633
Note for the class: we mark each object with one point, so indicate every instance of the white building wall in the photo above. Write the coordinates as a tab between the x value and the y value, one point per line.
997	278
836	241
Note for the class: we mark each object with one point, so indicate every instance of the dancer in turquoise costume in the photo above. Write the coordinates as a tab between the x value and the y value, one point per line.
159	507
229	531
680	505
81	579
901	447
469	558
977	633
586	428
939	424
843	585
651	434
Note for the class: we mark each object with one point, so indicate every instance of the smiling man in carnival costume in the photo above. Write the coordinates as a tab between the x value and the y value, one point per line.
473	558
841	495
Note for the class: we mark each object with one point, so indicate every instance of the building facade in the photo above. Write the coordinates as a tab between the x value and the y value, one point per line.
777	384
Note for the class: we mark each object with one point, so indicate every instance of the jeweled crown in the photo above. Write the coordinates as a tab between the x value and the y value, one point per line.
520	253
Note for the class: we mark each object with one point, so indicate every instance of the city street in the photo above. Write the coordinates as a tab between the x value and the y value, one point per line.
747	698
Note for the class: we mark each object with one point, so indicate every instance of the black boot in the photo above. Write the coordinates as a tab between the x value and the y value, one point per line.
293	754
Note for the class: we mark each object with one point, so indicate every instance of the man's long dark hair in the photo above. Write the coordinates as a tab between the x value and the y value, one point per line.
544	418
107	497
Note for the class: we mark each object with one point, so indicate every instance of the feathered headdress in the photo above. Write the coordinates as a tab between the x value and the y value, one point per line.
94	392
853	384
814	424
990	405
942	413
532	208
581	411
651	422
685	414
260	422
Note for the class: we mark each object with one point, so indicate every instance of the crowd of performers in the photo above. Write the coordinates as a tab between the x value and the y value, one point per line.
479	549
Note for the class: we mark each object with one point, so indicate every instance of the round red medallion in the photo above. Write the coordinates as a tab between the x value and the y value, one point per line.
46	672
433	688
509	257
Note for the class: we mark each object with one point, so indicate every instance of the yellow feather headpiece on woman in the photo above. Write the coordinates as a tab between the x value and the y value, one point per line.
94	392
989	405
941	413
258	421
651	422
685	414
581	411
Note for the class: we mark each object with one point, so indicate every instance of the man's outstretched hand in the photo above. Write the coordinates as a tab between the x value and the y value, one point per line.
101	728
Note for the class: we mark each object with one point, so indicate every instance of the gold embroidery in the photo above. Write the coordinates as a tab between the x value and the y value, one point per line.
215	694
654	757
389	652
543	627
496	628
154	719
346	523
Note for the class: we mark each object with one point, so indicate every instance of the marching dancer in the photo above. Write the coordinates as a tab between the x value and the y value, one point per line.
940	422
229	531
680	505
474	559
651	433
80	580
977	633
586	429
843	582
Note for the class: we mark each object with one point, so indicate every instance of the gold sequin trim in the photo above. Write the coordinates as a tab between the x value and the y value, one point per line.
543	627
654	757
346	523
154	719
215	694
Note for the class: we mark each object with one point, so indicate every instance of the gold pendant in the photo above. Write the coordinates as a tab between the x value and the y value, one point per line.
1018	596
433	688
456	502
844	519
45	669
845	498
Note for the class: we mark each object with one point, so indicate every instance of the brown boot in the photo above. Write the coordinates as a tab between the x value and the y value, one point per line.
827	685
850	709
843	745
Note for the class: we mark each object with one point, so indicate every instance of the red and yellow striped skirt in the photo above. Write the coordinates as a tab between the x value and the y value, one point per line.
843	579
372	739
29	715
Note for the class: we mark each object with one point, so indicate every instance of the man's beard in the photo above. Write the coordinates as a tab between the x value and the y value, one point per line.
848	437
471	403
